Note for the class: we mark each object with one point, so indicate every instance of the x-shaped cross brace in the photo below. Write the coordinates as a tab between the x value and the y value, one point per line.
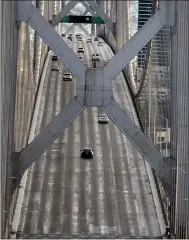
79	25
94	89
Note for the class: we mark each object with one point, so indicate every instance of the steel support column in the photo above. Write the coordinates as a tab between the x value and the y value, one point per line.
100	28
182	113
120	25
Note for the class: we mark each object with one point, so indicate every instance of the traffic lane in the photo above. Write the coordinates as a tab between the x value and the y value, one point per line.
38	167
109	222
122	182
140	180
105	177
57	156
129	148
57	221
93	182
35	171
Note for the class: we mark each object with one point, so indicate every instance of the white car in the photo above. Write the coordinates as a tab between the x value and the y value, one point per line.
81	58
78	35
96	39
55	68
80	50
80	40
67	77
96	57
89	40
100	43
103	118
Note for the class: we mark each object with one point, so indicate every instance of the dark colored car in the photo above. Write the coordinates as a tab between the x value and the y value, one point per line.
86	153
54	58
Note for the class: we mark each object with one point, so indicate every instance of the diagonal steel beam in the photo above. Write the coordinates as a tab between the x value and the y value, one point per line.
73	25
50	133
57	44
83	29
138	139
63	12
88	8
100	12
80	25
133	46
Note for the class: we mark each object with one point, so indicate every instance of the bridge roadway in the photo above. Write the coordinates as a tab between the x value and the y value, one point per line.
109	196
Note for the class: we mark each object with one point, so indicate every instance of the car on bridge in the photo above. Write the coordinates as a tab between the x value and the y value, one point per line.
79	39
55	68
100	43
87	153
103	118
67	77
55	58
80	50
63	35
78	35
69	37
95	39
95	57
81	58
89	40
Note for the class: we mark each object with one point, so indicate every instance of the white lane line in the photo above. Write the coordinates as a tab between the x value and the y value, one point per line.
27	193
23	182
88	171
128	201
124	183
138	203
76	177
52	168
35	214
63	182
89	186
117	221
143	228
100	173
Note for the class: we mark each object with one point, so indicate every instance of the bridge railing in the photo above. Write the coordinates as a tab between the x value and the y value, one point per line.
151	71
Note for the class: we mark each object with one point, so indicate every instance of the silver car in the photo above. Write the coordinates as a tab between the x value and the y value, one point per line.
103	118
67	77
55	68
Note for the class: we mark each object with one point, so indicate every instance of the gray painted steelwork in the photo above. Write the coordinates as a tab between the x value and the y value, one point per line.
80	25
181	100
63	12
102	84
8	71
107	197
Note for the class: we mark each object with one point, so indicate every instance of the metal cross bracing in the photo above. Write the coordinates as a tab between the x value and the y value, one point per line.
94	86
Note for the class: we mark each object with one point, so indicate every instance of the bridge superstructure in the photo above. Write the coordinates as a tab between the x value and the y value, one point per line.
157	86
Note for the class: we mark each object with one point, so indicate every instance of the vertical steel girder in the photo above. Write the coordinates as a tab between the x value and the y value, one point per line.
94	88
63	12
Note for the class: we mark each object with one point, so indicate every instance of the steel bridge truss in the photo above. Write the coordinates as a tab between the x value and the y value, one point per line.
94	86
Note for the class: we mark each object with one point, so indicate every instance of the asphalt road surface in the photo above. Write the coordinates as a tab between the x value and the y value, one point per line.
68	197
